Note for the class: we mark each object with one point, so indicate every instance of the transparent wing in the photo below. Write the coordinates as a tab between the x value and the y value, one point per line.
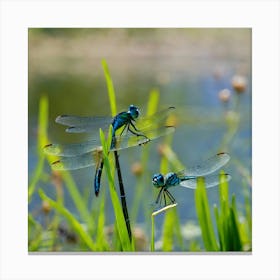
78	124
70	150
77	162
210	181
122	142
80	155
206	167
158	119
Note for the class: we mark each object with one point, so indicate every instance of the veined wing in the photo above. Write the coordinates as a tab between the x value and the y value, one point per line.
210	181
77	162
78	124
206	167
123	142
70	150
158	119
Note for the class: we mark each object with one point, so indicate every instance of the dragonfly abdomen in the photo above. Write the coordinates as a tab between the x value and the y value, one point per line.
185	178
97	178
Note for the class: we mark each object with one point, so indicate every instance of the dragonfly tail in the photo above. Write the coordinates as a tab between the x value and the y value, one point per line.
97	178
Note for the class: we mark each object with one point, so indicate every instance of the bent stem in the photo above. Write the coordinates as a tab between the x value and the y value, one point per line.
164	209
122	195
153	223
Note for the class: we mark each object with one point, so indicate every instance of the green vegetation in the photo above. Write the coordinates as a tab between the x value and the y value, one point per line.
58	229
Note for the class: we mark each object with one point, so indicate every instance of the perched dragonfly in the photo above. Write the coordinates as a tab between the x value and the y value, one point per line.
89	153
188	178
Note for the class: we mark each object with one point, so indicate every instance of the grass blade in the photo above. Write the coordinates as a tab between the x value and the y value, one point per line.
153	234
152	106
77	227
120	221
236	240
100	237
110	87
42	140
168	230
78	199
204	217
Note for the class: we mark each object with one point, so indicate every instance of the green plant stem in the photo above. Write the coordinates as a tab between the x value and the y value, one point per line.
153	234
122	194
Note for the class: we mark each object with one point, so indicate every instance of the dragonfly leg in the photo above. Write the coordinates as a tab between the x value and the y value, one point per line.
137	134
160	201
125	127
133	125
172	199
164	198
159	195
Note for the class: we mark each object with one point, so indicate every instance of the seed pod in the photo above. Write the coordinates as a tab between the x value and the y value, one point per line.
239	83
224	95
46	208
137	168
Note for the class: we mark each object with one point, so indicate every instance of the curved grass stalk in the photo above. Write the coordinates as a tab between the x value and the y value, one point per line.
119	215
204	217
71	219
112	100
42	139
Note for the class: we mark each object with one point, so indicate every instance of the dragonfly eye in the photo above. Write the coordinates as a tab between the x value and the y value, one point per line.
134	111
158	180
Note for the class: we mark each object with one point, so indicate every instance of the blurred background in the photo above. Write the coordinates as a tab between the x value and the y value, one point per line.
205	73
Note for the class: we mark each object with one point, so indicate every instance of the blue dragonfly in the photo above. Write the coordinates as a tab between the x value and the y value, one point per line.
125	134
188	178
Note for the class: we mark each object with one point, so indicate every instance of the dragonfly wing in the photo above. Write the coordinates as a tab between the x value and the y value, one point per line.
70	150
131	140
158	119
77	162
206	167
210	181
78	124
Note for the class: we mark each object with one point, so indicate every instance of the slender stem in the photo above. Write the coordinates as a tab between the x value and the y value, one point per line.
122	194
164	209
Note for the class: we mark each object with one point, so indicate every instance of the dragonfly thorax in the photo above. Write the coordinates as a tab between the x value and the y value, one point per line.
125	118
172	179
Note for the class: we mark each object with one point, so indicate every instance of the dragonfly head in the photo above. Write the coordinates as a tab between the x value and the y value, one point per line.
158	180
133	111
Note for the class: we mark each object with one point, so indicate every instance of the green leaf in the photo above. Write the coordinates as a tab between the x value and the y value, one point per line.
153	234
109	169
100	238
77	227
204	217
171	228
229	228
42	141
35	231
152	106
78	200
236	240
153	102
220	228
110	87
